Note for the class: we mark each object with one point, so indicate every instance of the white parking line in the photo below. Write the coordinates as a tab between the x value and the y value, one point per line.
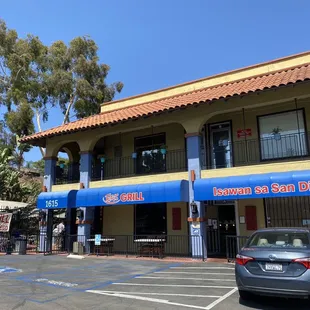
174	285
189	272
163	294
216	302
161	301
174	278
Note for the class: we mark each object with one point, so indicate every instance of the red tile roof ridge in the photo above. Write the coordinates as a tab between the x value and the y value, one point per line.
183	94
132	113
203	89
217	75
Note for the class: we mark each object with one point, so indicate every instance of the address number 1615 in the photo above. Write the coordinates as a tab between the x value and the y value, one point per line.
51	203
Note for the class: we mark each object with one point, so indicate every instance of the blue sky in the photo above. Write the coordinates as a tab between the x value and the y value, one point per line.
151	44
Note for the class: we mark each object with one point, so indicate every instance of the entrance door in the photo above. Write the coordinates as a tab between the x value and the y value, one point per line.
227	224
221	150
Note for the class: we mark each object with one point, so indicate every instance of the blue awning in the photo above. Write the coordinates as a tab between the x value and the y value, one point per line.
57	200
172	191
277	184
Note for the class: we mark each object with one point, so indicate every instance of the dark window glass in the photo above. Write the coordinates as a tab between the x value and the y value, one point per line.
280	239
149	157
151	219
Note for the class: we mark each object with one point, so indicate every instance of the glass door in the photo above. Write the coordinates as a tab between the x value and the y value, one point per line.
221	148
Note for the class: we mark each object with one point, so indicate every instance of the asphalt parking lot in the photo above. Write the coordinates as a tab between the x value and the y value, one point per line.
38	282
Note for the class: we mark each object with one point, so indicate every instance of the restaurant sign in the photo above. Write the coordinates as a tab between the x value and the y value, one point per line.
275	189
120	198
5	222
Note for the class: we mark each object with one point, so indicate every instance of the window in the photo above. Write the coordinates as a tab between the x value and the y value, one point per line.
151	219
280	239
282	135
149	157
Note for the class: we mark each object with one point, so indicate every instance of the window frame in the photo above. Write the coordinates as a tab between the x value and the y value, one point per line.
136	148
258	117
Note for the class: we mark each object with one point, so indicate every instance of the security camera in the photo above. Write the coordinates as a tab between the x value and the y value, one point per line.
45	177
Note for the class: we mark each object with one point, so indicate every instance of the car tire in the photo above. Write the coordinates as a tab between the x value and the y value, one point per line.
245	295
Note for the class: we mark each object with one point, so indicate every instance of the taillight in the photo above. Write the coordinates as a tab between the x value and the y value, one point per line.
304	261
242	260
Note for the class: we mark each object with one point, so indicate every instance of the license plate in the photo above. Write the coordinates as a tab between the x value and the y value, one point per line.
273	267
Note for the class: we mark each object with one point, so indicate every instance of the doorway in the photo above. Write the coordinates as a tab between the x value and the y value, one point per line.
221	146
221	223
227	224
97	226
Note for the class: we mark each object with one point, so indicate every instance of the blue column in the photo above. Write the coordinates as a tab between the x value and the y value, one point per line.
197	229
46	225
85	175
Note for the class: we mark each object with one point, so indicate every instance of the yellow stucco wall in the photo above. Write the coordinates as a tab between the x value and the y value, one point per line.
260	213
209	81
65	187
154	178
256	169
119	221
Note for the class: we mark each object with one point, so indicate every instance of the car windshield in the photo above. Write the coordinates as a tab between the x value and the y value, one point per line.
280	239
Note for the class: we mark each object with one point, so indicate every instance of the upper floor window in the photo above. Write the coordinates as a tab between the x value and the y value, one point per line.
282	135
149	156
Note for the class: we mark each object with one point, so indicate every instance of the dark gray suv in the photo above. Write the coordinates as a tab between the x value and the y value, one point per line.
275	262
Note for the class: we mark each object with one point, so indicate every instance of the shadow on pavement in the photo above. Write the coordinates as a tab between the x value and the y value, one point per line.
272	303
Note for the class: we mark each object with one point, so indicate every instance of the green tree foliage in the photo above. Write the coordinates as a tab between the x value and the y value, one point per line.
77	80
36	165
39	164
20	123
39	78
11	186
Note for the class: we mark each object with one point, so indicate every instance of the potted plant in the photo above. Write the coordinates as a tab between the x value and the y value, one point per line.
163	149
102	158
276	132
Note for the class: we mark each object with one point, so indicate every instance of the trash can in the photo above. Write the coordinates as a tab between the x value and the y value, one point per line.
78	248
21	246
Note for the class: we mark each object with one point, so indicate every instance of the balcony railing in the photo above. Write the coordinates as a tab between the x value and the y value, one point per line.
172	161
68	174
255	151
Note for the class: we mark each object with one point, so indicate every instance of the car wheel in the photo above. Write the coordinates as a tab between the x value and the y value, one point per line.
245	295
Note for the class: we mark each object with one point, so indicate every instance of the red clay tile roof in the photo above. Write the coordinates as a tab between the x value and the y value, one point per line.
235	88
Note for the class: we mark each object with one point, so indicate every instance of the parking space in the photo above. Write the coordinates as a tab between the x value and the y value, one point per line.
202	286
36	282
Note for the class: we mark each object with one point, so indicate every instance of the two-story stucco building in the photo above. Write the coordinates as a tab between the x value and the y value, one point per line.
221	155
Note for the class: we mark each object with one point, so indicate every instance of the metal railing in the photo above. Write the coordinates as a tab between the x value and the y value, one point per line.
172	161
233	245
68	174
172	246
254	151
22	244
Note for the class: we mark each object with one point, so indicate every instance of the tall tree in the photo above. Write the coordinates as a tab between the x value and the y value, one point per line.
77	80
20	123
70	77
